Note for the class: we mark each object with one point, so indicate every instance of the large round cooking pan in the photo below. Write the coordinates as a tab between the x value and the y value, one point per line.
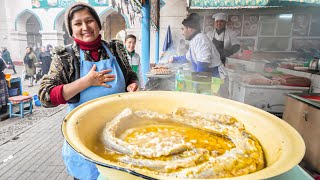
282	145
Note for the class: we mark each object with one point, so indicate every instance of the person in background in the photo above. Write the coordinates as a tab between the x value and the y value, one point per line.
36	50
30	62
85	70
224	39
202	53
49	48
44	60
7	58
134	58
4	93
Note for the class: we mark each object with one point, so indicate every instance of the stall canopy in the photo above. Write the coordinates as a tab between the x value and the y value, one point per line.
236	4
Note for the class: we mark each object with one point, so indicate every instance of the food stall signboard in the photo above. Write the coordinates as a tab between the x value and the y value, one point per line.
46	4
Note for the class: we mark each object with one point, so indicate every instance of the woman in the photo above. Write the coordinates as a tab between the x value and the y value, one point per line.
88	69
30	61
7	58
45	60
4	95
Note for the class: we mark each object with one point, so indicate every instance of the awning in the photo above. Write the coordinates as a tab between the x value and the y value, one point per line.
239	4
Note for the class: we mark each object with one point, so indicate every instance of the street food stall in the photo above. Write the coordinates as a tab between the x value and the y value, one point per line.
163	134
250	83
268	92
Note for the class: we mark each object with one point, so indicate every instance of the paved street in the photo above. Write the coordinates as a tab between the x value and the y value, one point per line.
30	148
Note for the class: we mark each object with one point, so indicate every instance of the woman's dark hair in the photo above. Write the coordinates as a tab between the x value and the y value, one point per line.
29	48
79	7
130	36
48	47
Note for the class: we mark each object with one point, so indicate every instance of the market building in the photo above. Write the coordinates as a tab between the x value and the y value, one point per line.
35	23
276	70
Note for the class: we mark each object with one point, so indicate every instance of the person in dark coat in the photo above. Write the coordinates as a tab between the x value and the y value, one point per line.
4	94
30	63
7	58
44	60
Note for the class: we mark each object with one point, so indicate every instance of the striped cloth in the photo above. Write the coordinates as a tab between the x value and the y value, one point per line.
4	95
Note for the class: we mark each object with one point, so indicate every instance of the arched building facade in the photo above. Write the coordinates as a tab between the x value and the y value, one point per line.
24	25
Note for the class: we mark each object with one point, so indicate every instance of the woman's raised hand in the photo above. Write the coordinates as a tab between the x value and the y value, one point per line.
99	78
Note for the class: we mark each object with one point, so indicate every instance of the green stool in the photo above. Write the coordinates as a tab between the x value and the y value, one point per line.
21	101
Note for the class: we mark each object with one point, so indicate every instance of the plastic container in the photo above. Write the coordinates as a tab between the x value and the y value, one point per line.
13	92
36	100
25	93
179	84
208	88
8	76
215	84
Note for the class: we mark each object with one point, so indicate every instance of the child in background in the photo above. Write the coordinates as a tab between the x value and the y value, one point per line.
134	58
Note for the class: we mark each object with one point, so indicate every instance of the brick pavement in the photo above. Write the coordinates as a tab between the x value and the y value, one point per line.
35	153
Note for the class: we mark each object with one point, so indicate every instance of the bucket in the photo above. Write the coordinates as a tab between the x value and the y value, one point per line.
8	76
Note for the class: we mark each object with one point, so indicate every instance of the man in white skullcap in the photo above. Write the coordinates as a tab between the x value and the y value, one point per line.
224	39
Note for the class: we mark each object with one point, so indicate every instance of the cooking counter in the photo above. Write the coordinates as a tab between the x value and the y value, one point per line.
303	114
315	78
308	101
268	98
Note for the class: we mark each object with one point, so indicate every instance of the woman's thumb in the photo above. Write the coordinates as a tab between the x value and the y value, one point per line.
94	67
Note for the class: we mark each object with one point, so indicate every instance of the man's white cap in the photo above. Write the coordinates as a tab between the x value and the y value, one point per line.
220	16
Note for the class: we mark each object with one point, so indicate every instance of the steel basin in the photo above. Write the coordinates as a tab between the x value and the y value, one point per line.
283	146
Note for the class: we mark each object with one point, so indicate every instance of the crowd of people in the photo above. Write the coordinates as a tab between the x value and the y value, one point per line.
32	61
35	67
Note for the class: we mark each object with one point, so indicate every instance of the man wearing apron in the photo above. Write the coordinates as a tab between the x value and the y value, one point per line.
202	54
224	39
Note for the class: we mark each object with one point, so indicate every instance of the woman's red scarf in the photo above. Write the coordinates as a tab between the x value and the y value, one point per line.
93	46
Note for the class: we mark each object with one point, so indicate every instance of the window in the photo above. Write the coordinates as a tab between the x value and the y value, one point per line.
275	32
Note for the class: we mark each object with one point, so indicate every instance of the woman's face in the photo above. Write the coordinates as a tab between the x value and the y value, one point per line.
130	44
84	26
28	50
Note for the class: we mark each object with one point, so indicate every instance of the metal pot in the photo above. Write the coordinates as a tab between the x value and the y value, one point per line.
314	64
283	146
